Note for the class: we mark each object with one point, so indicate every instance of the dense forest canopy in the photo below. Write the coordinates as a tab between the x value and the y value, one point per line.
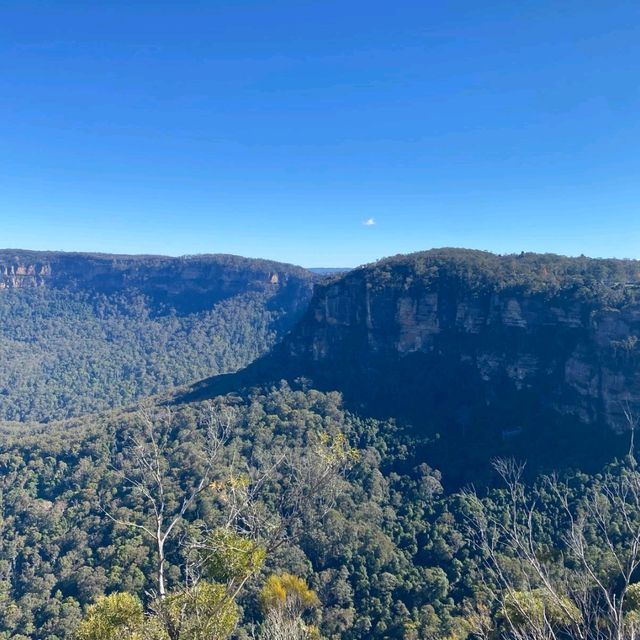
276	510
597	279
97	331
387	553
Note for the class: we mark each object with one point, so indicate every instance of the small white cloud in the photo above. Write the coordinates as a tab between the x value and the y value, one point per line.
369	222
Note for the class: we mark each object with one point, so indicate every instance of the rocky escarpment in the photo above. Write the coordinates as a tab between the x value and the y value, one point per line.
476	349
496	354
188	283
15	273
577	345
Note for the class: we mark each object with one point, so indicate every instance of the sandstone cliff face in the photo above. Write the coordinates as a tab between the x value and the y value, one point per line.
417	332
190	283
20	273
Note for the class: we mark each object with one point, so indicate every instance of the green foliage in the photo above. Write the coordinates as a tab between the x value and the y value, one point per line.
228	556
535	608
632	597
119	616
389	557
201	612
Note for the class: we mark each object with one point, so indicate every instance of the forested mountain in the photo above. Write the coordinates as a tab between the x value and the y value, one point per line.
321	492
528	355
84	332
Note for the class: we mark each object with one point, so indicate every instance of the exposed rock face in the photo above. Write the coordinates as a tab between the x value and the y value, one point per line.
449	330
190	283
16	273
478	355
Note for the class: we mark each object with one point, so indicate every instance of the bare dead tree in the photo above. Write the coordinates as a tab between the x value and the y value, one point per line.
618	497
632	420
244	528
250	529
310	481
316	478
498	538
279	625
539	597
144	467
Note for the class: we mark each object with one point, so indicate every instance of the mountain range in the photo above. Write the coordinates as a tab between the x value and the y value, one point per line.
419	369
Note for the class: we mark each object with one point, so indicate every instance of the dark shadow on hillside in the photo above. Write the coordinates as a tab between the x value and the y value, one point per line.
261	372
450	421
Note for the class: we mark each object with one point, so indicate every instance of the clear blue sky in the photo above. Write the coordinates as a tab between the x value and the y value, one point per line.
277	128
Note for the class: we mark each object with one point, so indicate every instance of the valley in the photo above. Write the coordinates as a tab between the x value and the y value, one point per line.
81	333
335	436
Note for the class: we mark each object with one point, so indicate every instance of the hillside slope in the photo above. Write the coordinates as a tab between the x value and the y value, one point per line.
84	332
434	339
488	353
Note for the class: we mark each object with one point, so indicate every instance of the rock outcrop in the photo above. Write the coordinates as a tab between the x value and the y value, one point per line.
565	329
478	350
19	273
190	283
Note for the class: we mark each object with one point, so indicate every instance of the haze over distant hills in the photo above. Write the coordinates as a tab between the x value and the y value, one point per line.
329	270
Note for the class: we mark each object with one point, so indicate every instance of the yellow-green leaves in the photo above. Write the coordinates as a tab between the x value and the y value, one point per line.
335	449
632	597
228	556
119	616
287	591
539	607
202	612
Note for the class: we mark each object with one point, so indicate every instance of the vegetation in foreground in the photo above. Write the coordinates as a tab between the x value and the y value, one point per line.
280	515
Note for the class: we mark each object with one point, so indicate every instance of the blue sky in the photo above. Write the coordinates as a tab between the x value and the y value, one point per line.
277	128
